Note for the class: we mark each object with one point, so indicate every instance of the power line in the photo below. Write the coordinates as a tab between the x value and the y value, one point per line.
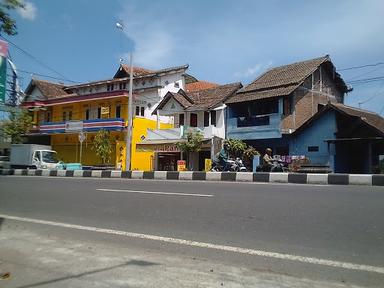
366	80
362	66
46	76
366	73
37	60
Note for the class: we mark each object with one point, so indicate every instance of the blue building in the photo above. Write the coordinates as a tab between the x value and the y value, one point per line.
348	139
268	111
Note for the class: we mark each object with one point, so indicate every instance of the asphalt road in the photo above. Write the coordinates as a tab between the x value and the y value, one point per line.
336	223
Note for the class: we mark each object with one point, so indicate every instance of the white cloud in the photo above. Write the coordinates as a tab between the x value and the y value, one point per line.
252	71
29	11
153	40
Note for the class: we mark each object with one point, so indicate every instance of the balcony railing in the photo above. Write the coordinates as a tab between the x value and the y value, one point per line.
254	127
180	132
112	124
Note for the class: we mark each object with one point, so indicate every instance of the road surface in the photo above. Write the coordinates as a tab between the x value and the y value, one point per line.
320	233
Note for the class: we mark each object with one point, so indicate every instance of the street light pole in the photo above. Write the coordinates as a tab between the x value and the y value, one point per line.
129	112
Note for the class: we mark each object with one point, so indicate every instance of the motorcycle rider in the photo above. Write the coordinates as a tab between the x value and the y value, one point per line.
223	157
267	160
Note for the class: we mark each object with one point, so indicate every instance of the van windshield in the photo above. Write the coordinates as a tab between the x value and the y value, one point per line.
49	157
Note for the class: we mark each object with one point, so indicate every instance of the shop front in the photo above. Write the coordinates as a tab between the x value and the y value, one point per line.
166	154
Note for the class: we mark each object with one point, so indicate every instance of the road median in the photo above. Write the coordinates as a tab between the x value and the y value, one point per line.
263	177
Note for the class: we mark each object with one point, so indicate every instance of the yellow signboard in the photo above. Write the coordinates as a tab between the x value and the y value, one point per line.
208	165
120	155
181	165
104	110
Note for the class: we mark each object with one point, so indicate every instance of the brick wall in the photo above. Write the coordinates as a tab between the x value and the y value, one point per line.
306	102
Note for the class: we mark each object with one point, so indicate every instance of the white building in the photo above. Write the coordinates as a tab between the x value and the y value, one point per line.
202	110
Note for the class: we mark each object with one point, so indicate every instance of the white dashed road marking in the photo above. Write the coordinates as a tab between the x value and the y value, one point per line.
310	260
155	192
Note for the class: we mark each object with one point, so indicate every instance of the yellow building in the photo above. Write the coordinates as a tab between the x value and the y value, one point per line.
65	114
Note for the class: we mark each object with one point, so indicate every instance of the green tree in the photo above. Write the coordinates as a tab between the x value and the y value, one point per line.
193	144
102	146
236	147
18	124
7	24
248	155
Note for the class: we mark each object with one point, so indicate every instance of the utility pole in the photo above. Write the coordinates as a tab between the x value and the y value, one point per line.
129	110
128	138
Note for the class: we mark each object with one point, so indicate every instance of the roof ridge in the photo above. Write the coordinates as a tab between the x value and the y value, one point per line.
325	57
48	82
356	108
218	86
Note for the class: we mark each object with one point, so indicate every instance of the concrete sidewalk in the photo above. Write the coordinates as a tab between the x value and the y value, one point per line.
36	259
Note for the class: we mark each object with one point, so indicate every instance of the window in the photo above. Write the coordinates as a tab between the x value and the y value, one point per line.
37	155
87	114
193	120
99	113
70	115
123	85
110	87
140	111
213	118
181	119
287	106
48	116
118	111
313	148
64	115
206	119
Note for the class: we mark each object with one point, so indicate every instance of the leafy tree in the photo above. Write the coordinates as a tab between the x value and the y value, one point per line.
236	147
7	24
193	144
248	155
18	124
102	146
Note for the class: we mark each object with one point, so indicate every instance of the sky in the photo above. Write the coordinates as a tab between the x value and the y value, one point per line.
222	41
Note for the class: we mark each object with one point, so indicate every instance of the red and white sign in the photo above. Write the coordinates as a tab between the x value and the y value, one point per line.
3	48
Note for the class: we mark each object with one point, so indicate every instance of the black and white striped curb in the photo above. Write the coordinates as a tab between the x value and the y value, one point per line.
298	178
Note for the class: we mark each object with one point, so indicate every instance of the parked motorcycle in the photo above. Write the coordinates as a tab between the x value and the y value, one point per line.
234	166
277	166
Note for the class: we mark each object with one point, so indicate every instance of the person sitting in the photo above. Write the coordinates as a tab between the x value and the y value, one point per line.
223	157
267	160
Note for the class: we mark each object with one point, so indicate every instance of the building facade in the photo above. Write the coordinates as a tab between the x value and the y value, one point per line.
61	112
199	110
266	112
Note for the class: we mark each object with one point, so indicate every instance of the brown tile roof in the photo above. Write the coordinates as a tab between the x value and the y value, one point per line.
281	81
255	95
140	72
208	98
371	118
137	71
199	85
49	90
203	99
